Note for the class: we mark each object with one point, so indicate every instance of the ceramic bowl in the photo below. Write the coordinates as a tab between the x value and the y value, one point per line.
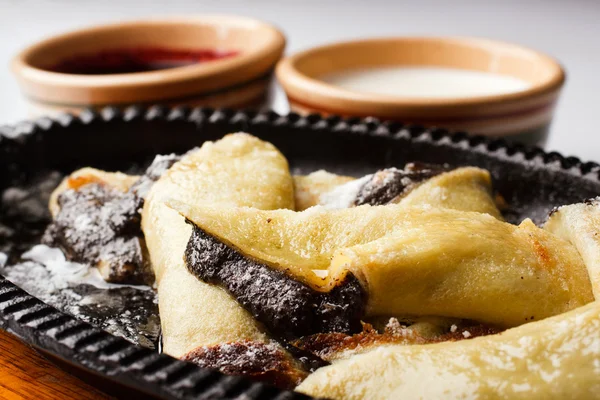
523	115
239	80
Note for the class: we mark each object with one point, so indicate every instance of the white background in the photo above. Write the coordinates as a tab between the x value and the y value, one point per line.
567	30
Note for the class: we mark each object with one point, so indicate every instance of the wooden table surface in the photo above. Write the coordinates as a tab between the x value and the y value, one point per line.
25	374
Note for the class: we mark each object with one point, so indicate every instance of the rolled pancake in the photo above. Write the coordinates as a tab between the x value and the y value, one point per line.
556	358
464	189
580	225
468	265
238	170
95	220
412	261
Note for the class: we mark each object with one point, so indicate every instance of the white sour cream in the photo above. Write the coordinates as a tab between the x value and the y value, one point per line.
431	82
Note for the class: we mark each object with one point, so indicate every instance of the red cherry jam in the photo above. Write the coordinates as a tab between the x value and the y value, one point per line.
139	59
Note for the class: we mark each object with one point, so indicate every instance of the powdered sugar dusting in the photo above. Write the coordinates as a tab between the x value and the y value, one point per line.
158	167
36	276
64	273
321	273
123	310
343	196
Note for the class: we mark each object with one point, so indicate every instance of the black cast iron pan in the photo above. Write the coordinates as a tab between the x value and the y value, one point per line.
531	181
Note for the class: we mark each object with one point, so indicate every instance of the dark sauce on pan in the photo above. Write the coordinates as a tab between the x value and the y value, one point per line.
137	59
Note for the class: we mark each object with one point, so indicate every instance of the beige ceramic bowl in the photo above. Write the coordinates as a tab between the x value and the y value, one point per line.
237	81
523	115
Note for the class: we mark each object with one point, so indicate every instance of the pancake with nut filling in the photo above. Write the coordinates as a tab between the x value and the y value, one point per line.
391	260
201	322
555	358
580	225
417	184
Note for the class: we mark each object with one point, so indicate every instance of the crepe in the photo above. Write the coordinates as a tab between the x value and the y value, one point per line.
238	170
95	220
469	265
465	189
552	359
580	225
412	261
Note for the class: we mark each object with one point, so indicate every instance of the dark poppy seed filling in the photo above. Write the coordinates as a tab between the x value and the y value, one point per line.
288	308
309	361
388	184
328	345
262	361
159	166
100	225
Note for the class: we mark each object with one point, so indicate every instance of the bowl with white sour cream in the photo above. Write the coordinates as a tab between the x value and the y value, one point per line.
477	85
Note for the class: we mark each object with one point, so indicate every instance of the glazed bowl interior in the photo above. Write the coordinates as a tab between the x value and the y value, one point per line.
209	33
241	77
523	114
541	72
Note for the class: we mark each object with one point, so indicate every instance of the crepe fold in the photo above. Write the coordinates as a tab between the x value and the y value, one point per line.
580	224
410	260
238	170
556	358
464	189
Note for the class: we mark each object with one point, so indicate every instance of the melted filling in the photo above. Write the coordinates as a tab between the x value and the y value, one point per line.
288	308
329	345
100	226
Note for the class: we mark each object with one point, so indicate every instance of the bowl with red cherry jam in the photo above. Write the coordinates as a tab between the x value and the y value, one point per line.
214	61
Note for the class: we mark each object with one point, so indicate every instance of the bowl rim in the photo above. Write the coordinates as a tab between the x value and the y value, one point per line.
298	85
252	64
